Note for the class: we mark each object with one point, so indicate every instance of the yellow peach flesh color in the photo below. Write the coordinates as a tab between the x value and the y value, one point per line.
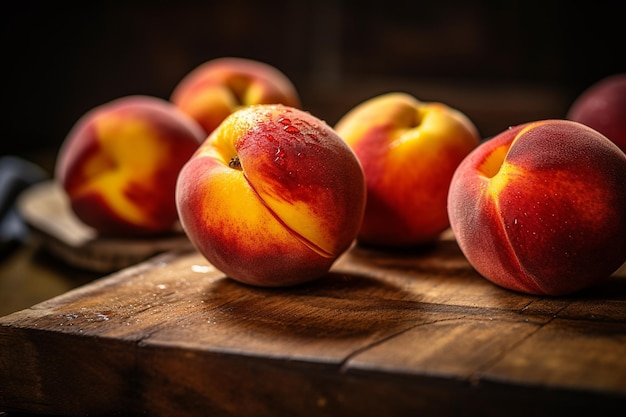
429	123
250	205
221	147
497	171
108	172
211	98
301	221
502	178
245	207
376	113
404	133
254	93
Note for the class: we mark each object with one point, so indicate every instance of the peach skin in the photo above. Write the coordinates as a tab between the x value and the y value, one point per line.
120	161
602	106
409	150
218	87
273	197
541	207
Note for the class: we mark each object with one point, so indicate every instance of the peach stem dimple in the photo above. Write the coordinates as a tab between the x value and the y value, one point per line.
417	119
238	87
492	164
235	163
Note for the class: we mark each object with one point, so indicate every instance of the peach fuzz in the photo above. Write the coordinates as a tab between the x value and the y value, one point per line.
119	164
602	106
216	88
541	208
273	197
409	150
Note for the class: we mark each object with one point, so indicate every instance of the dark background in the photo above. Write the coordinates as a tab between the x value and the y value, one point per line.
501	63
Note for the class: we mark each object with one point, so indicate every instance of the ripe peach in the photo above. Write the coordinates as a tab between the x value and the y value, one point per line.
272	197
541	207
120	161
216	88
409	150
602	106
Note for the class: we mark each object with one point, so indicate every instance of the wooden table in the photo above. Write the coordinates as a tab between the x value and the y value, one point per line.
383	334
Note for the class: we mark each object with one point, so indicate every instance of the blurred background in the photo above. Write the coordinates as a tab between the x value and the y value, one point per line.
501	63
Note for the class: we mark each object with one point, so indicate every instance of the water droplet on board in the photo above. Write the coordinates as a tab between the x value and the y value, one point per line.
101	317
201	268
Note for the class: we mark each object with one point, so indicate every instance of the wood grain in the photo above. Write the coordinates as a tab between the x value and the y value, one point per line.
391	334
46	209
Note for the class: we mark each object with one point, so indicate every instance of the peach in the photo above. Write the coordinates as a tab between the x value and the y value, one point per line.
602	106
273	196
541	207
409	150
216	88
119	164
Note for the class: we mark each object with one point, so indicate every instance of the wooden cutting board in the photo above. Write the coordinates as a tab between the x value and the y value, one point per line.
46	210
383	334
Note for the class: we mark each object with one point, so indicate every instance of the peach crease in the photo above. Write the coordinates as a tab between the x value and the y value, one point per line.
306	242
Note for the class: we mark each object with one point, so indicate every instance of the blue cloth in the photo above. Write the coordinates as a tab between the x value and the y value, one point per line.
16	174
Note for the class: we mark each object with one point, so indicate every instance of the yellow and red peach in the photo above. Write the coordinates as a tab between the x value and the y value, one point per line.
541	207
216	88
120	161
409	151
273	197
602	106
